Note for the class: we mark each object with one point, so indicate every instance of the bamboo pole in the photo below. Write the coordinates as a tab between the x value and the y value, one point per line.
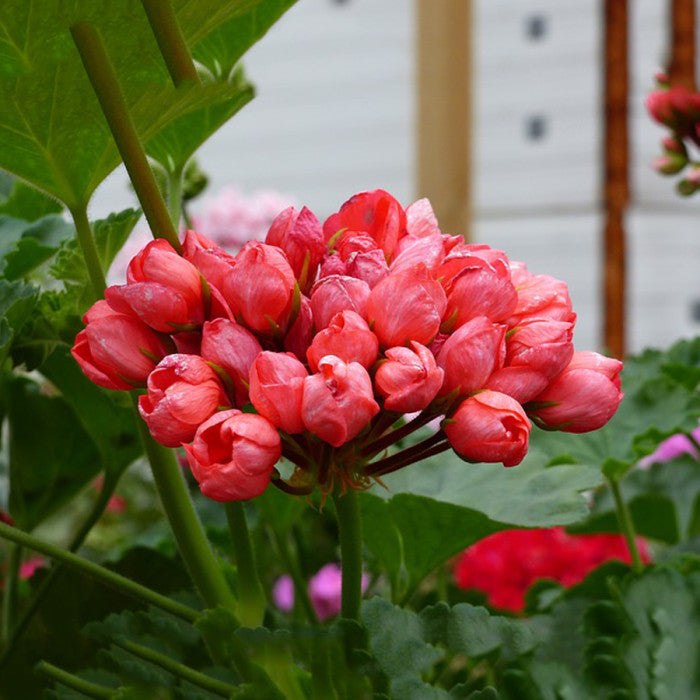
444	109
682	52
616	187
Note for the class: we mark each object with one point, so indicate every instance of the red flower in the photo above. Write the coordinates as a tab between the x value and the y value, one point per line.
348	337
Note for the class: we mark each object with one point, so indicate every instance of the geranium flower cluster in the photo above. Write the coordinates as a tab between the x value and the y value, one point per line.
678	109
313	344
504	565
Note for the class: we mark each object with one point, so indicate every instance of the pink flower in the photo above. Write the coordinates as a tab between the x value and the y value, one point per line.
420	219
283	593
260	287
489	427
301	332
117	350
276	387
672	447
183	391
338	401
336	293
471	354
409	379
300	236
209	258
406	306
233	454
540	296
376	213
233	348
348	337
583	397
28	568
429	250
325	590
163	289
536	351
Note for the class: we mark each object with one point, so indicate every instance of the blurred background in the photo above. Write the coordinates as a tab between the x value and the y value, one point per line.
493	108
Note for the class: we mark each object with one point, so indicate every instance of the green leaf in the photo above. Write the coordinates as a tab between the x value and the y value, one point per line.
17	301
26	203
437	507
52	132
664	501
51	455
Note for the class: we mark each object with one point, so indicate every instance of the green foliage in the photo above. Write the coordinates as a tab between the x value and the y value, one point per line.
434	509
23	202
52	132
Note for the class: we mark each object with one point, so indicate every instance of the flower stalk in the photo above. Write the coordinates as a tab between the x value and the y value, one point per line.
347	508
624	519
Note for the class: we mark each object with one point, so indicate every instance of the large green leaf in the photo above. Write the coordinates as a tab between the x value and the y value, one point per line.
23	202
51	455
17	302
434	509
52	132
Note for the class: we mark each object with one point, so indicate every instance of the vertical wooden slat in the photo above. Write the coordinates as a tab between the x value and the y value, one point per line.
616	187
444	113
681	63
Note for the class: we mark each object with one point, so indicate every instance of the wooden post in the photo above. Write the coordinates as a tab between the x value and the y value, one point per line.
616	188
681	63
444	119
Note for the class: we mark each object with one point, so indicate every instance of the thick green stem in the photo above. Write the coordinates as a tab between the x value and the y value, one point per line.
347	508
109	578
87	245
9	598
105	83
176	668
251	599
92	690
170	40
624	519
188	531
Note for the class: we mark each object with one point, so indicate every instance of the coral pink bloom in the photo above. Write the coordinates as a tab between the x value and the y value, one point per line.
490	427
338	401
233	348
276	386
117	350
471	354
421	220
163	289
541	296
370	266
376	213
332	264
429	250
233	454
409	379
583	397
260	287
210	259
300	236
337	293
476	288
183	391
301	332
348	337
406	306
676	108
536	351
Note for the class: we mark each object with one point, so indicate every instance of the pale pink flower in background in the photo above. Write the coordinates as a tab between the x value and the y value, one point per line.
673	447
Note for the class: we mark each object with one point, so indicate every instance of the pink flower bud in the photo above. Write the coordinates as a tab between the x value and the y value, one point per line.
540	296
669	163
300	236
117	350
376	213
406	306
337	293
409	380
421	220
370	266
233	348
325	588
490	427
429	250
301	332
209	258
233	455
348	337
338	401
583	397
183	391
276	387
260	286
536	351
471	355
163	289
332	264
